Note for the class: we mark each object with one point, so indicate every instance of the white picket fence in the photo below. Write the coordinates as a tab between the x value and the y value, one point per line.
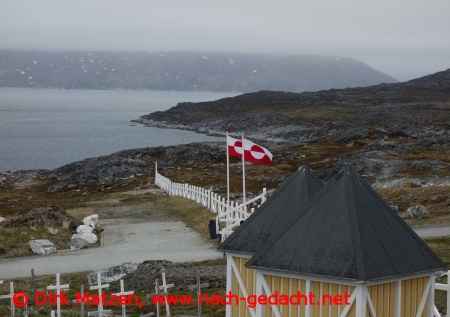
231	214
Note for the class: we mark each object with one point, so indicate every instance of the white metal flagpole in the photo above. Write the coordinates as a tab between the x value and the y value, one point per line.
243	175
228	176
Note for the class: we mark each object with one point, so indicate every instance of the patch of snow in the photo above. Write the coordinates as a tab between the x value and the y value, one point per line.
113	69
85	70
195	86
204	57
324	65
30	77
98	73
162	55
35	63
255	71
337	58
91	60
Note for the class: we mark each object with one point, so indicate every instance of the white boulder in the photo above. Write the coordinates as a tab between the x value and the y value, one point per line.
83	228
416	212
89	237
91	221
42	246
2	219
78	242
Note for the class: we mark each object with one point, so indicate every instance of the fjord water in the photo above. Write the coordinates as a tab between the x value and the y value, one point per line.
45	128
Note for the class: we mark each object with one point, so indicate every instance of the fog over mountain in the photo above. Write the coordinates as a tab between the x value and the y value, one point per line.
404	39
184	71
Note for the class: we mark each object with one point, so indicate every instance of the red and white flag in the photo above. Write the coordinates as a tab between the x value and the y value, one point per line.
234	147
255	153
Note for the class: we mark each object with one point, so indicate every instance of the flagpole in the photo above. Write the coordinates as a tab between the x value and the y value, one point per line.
243	175
228	176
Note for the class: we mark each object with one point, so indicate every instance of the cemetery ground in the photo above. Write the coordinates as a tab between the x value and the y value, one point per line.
137	198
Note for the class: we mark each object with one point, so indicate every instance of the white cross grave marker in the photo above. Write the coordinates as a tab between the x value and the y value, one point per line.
164	287
157	293
198	288
58	287
10	295
122	292
100	312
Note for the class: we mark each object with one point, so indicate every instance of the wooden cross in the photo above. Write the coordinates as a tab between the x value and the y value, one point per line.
122	292
164	287
157	293
58	287
10	295
33	281
80	301
99	286
198	288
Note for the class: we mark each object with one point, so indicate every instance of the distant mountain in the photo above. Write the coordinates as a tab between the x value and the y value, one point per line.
186	71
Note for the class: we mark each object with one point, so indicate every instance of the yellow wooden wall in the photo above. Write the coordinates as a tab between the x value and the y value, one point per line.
249	278
290	286
383	297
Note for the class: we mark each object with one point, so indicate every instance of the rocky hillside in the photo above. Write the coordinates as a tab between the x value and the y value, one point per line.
418	108
184	71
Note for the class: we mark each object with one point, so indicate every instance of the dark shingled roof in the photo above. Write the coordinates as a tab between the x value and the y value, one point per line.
350	232
276	214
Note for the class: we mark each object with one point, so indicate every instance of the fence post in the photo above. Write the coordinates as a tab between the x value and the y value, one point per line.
264	196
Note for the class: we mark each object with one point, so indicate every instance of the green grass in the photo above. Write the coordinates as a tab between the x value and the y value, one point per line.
14	241
194	215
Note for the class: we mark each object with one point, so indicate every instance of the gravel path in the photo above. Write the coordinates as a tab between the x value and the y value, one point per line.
123	241
432	232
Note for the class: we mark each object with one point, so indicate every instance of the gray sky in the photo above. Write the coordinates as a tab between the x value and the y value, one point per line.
403	38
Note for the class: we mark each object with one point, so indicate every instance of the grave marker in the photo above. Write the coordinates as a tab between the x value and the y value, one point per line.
100	312
10	295
58	287
81	301
198	288
157	293
122	292
165	287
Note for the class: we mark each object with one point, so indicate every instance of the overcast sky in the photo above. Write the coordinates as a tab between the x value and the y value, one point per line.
403	38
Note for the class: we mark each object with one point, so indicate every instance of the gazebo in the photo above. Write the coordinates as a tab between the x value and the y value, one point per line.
270	220
350	245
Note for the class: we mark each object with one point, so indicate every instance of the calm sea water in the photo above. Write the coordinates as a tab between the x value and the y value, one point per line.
44	129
